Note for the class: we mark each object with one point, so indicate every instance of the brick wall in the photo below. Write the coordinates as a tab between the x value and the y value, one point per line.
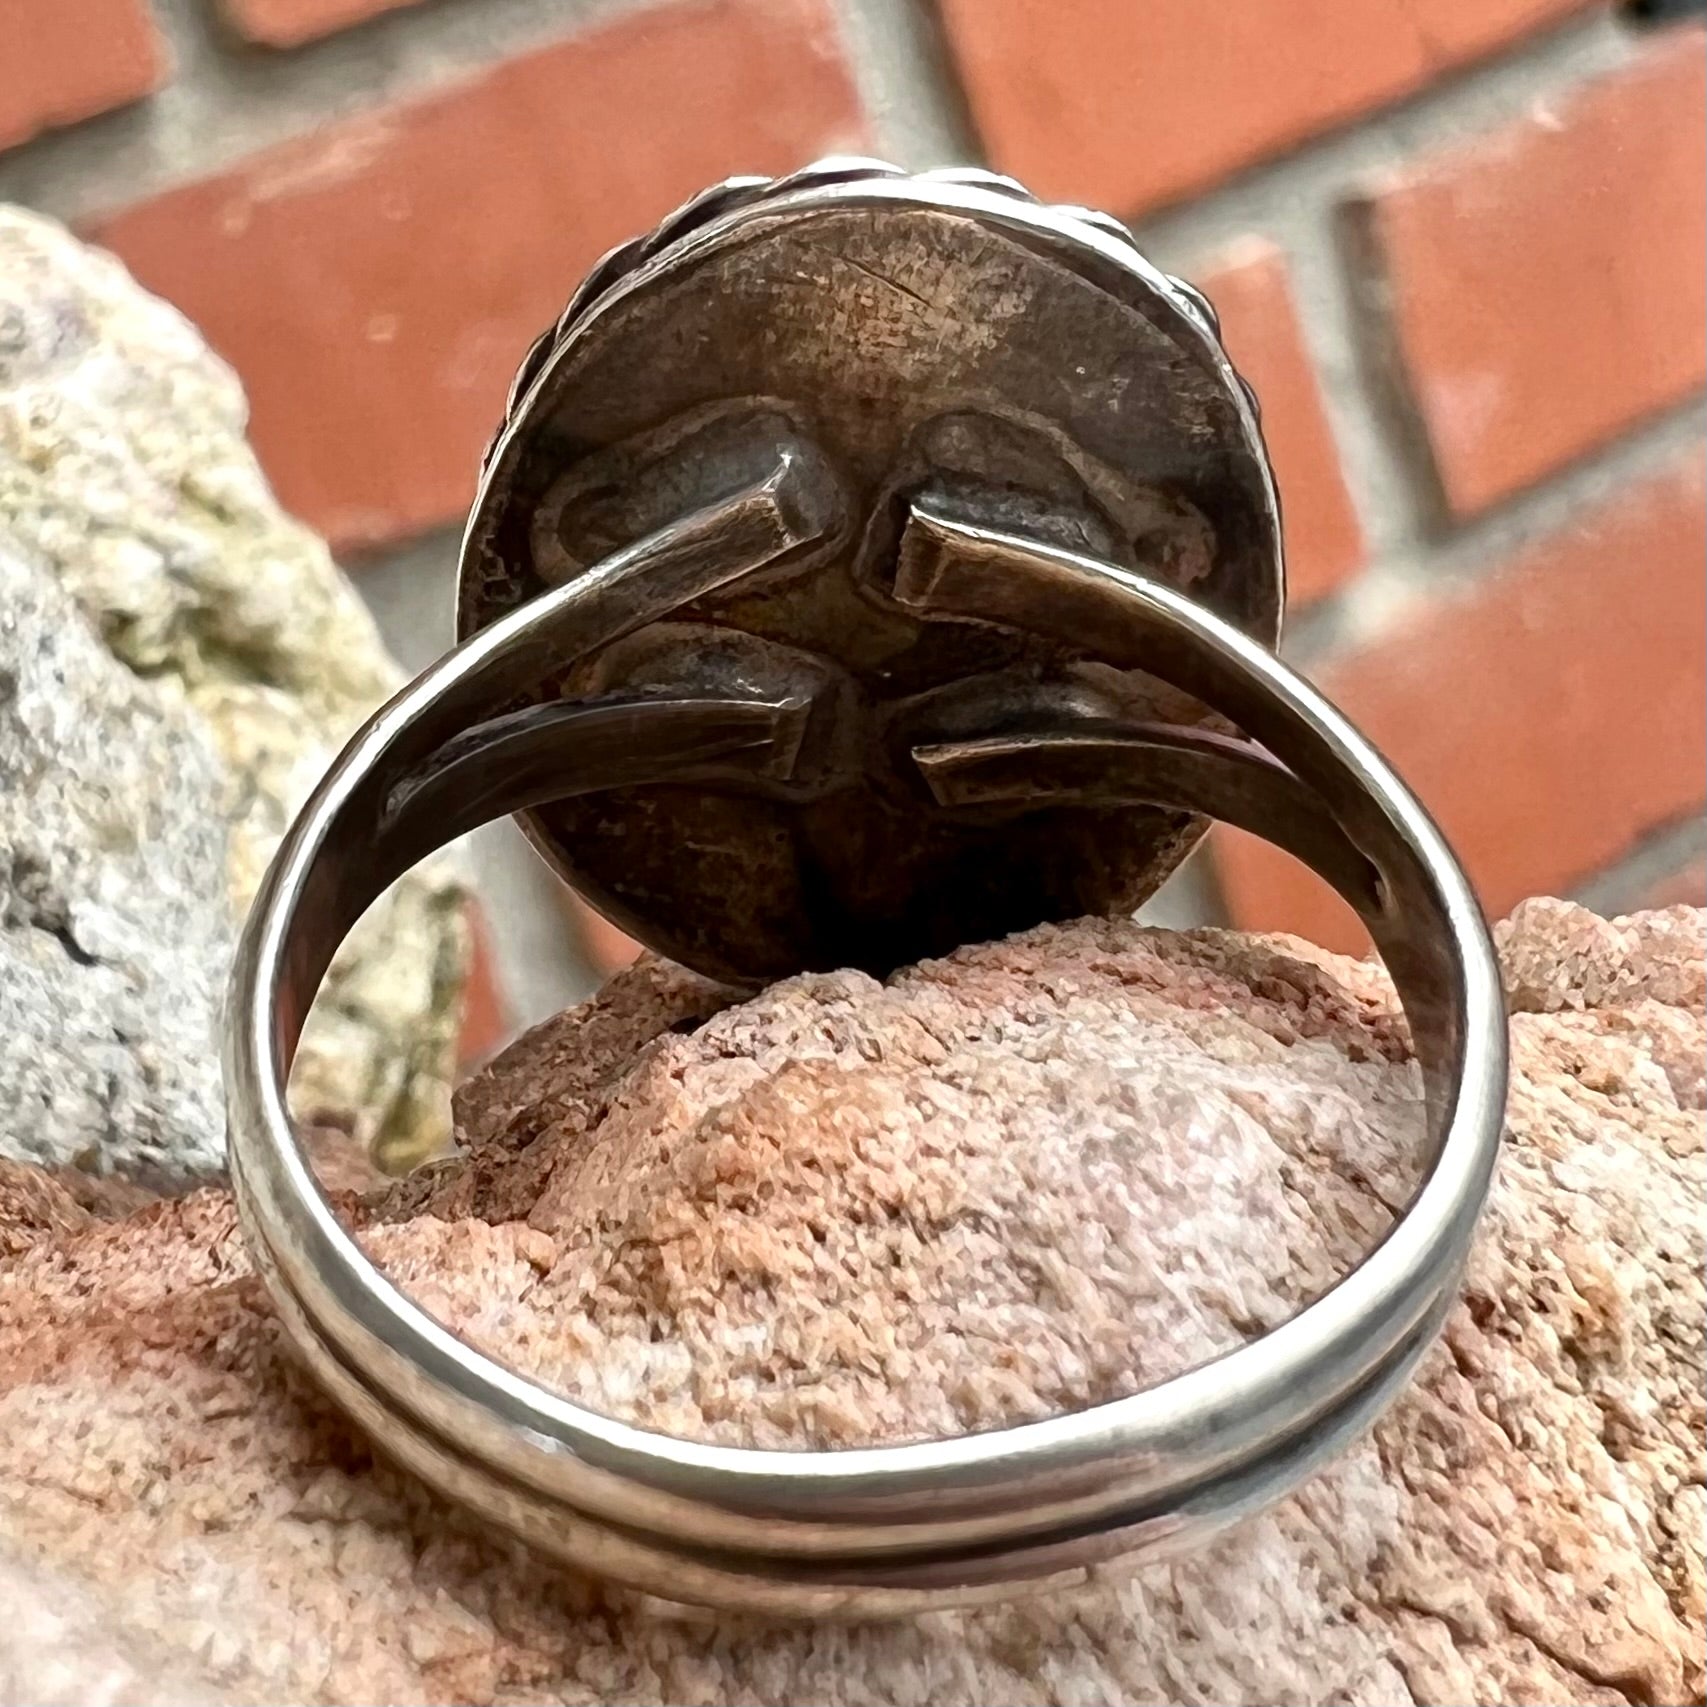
1457	244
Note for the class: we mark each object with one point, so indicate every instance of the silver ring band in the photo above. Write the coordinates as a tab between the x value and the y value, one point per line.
808	574
888	1528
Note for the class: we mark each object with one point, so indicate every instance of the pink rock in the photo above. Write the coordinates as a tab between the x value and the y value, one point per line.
1034	1175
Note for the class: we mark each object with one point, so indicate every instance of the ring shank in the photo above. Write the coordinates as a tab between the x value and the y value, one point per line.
885	1528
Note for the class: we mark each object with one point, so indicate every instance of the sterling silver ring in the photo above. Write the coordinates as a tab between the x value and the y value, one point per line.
869	563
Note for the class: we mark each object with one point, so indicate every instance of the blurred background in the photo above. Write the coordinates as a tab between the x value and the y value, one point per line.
1457	245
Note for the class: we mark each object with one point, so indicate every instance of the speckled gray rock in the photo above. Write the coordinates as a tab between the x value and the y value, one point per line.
112	836
126	482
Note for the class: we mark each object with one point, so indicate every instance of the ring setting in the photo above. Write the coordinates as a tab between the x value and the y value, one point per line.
869	563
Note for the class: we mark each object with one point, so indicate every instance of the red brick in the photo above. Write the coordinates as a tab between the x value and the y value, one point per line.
288	23
1131	103
486	1022
376	283
1549	717
1253	296
605	947
65	60
1548	285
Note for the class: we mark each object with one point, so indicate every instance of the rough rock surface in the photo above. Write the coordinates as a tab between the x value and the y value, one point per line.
112	837
127	488
1033	1175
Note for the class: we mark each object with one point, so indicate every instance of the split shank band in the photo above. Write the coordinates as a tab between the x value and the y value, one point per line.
885	1529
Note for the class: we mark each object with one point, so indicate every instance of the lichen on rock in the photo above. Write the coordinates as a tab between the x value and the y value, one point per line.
126	481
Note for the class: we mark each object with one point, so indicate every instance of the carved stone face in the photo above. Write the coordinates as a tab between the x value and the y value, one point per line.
900	341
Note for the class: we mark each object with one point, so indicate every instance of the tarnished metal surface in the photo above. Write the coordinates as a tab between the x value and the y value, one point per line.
942	339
